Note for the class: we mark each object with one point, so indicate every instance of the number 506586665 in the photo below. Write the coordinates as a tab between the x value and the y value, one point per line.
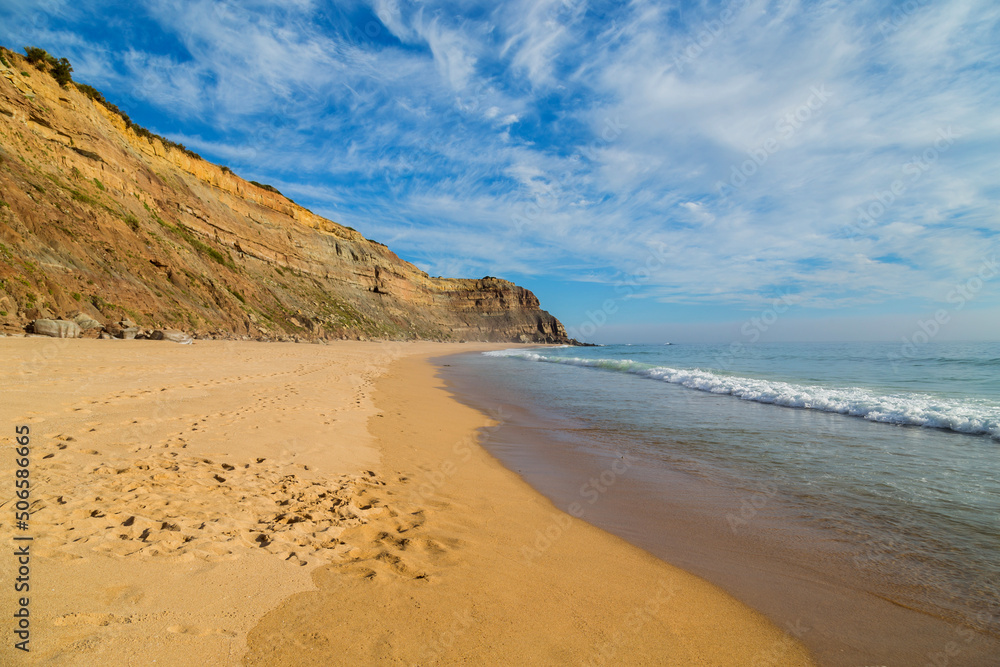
23	451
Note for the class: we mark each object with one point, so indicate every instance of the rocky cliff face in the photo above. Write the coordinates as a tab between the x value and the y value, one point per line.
99	219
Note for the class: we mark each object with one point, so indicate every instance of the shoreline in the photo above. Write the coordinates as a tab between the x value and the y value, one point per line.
586	597
787	570
252	504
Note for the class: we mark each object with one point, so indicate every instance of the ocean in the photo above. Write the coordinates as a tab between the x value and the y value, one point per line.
850	489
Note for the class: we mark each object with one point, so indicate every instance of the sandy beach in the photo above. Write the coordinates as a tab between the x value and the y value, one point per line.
278	504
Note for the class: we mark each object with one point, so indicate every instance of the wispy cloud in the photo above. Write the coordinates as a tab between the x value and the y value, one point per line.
563	138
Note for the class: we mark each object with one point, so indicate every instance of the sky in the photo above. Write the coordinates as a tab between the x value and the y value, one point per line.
653	171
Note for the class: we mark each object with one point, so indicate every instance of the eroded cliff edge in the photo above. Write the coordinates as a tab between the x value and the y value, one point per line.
99	219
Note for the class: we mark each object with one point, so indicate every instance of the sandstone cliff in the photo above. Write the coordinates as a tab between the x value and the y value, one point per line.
99	218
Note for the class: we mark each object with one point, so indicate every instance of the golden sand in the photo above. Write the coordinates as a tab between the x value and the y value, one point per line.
283	504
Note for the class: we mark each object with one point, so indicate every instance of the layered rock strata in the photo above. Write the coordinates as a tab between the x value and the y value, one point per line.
101	221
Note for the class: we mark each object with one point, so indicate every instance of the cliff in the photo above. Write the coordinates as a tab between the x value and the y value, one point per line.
98	216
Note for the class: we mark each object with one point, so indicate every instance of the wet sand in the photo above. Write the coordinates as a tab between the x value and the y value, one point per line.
797	575
232	503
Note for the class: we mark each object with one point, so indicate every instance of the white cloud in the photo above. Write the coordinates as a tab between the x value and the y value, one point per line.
547	139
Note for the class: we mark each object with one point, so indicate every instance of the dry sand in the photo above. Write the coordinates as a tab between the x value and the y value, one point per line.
283	504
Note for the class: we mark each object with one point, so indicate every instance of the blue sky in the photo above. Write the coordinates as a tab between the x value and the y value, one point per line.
651	170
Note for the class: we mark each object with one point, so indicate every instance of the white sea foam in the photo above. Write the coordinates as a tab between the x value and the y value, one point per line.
963	416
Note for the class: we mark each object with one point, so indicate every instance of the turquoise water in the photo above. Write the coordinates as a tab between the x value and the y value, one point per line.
954	387
892	459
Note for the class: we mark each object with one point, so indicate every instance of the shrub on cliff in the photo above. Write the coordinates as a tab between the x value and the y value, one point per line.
60	69
265	186
96	95
92	93
40	58
62	72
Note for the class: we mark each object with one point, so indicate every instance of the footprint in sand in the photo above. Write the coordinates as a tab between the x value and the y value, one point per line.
184	509
89	619
85	645
123	595
199	632
416	520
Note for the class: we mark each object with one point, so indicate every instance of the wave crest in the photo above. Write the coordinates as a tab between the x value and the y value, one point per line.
903	408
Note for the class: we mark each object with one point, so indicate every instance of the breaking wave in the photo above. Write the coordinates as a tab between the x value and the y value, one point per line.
962	416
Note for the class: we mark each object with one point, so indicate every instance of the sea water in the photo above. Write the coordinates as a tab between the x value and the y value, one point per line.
888	459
